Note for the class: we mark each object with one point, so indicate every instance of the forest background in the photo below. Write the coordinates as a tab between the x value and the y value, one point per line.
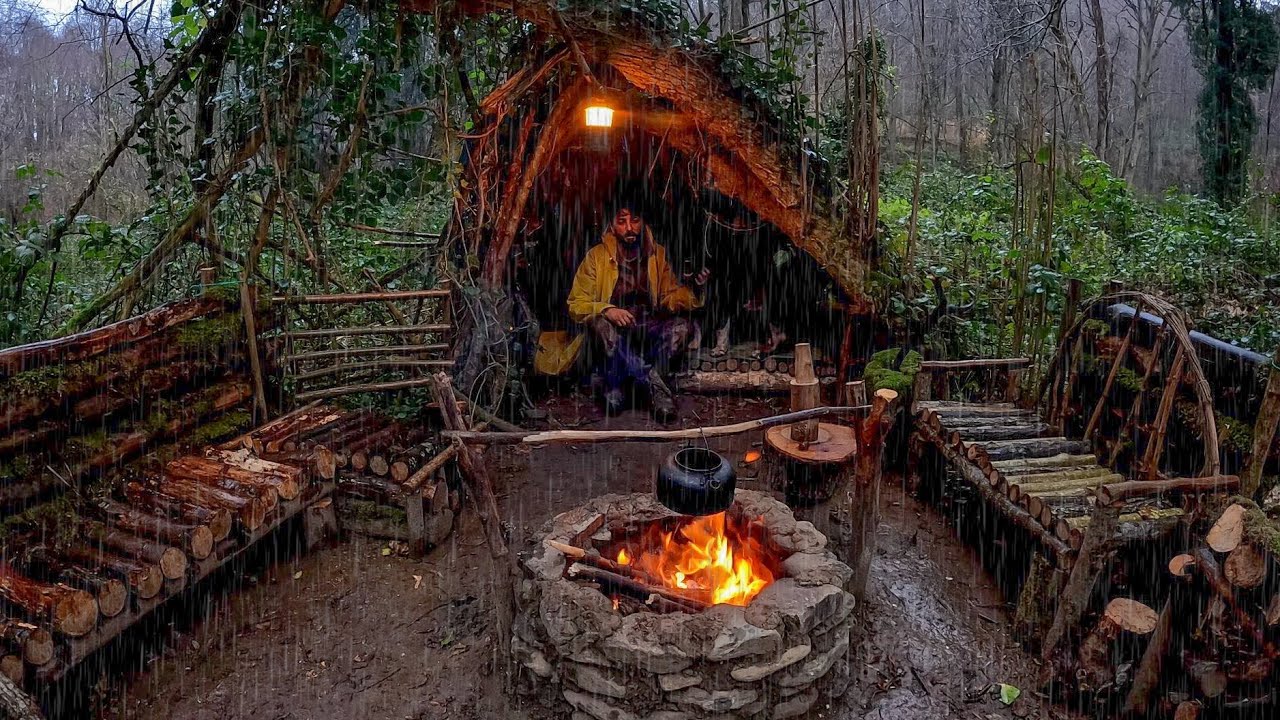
1022	142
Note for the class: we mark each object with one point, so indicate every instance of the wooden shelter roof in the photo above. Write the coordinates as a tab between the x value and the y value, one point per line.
729	132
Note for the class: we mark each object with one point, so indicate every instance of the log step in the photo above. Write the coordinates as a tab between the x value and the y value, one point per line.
1041	447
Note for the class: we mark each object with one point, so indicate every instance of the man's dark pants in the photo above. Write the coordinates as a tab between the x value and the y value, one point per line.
628	353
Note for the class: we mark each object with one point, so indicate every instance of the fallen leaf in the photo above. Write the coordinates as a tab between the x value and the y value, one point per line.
1008	693
417	581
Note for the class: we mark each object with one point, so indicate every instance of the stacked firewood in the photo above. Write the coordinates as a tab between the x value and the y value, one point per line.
1227	597
373	459
72	408
119	552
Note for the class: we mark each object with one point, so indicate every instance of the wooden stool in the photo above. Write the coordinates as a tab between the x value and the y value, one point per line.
817	480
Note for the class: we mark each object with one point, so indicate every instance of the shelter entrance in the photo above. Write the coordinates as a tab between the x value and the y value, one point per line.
763	293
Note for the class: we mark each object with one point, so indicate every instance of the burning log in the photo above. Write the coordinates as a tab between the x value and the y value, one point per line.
111	593
218	520
171	561
219	475
251	512
146	581
33	643
71	612
611	581
195	540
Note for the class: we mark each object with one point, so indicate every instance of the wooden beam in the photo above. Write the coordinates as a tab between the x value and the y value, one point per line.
536	437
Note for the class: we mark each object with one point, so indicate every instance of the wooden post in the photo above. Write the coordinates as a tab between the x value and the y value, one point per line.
922	388
486	503
1264	432
1155	443
1084	575
804	394
855	393
862	499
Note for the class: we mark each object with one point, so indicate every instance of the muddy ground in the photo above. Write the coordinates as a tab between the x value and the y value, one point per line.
351	631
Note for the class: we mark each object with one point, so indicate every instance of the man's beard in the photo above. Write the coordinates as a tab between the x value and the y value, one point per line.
631	238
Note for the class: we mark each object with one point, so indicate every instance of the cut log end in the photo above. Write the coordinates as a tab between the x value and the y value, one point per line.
112	597
38	648
1180	566
147	582
326	464
400	471
11	667
378	465
200	542
75	614
173	563
1246	567
220	525
1131	616
1226	533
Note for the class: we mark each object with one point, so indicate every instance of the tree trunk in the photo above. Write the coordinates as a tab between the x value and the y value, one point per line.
1264	433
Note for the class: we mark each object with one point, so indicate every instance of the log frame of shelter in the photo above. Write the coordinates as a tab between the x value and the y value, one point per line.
710	119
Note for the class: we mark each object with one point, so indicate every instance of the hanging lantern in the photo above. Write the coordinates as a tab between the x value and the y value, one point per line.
599	116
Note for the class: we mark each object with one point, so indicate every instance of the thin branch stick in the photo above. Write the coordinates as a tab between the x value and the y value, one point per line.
392	231
361	352
352	298
369	330
598	436
1121	354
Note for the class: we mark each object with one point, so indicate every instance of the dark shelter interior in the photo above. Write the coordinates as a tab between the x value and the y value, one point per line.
761	286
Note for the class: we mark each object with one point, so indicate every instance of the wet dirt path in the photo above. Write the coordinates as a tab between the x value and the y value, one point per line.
351	632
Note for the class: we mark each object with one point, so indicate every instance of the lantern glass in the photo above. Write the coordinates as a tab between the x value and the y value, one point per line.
599	116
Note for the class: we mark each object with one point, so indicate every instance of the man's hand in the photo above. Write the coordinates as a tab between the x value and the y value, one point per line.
702	277
619	317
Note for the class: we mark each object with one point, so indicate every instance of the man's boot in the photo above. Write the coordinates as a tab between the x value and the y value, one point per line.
662	402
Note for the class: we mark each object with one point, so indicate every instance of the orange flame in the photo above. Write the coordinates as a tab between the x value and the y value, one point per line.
712	557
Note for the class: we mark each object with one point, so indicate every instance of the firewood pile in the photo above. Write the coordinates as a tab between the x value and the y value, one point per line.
1219	647
389	476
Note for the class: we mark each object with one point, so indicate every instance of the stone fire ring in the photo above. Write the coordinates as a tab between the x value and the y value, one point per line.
776	658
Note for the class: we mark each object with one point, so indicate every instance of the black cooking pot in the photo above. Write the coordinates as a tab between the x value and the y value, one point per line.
696	481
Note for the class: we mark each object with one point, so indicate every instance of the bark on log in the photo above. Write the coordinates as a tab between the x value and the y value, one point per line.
366	487
69	611
1059	461
950	409
11	667
985	433
195	540
171	561
144	580
1123	620
1264	433
218	520
72	348
249	512
1246	567
16	704
111	593
1033	448
1112	494
244	467
751	382
1079	588
32	642
219	475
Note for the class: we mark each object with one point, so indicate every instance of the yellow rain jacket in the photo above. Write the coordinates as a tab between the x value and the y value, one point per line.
592	288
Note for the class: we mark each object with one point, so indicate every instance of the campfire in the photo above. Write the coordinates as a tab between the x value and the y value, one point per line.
716	559
631	610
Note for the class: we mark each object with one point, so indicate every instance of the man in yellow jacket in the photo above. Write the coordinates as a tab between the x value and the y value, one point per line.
626	297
